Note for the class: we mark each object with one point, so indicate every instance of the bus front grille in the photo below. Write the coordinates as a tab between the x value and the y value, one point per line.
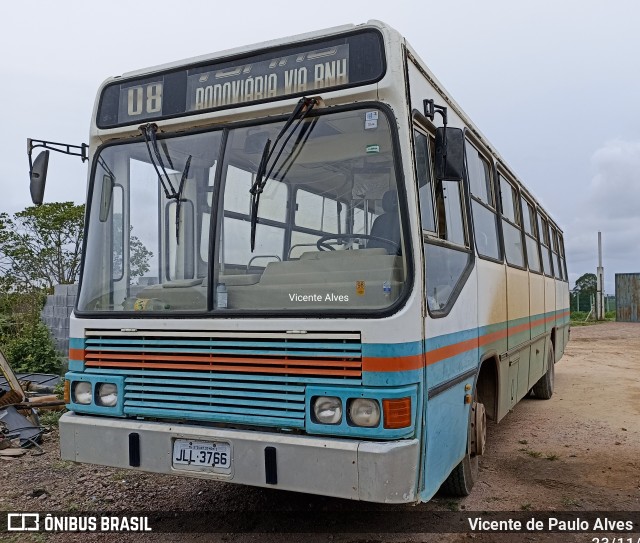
231	377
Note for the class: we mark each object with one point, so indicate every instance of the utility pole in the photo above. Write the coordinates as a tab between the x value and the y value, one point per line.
600	283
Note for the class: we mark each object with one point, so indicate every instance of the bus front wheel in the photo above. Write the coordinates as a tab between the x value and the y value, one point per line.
465	474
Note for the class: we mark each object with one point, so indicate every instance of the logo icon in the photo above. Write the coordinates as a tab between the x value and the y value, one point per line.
23	522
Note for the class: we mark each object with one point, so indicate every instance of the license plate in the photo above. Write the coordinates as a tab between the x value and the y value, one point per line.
201	455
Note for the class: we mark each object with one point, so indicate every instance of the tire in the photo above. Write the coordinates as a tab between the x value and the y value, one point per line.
462	478
465	474
543	389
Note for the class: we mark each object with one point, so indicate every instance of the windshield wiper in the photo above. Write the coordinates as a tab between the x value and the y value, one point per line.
301	111
149	132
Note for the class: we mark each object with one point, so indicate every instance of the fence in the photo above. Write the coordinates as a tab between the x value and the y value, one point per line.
586	301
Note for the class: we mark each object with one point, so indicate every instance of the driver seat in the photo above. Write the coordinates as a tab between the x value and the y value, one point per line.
387	225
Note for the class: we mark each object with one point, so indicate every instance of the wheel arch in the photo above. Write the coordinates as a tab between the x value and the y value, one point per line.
488	384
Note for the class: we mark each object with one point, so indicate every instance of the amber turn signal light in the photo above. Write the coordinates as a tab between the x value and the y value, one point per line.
67	392
397	413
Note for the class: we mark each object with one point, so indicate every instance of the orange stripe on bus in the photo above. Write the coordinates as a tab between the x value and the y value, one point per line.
98	358
450	350
76	354
215	367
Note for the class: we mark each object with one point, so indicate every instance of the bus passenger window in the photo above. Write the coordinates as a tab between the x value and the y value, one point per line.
425	188
556	255
482	204
444	268
562	256
531	235
543	228
447	257
450	218
511	225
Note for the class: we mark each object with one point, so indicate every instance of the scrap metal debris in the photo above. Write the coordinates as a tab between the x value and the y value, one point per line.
21	397
13	424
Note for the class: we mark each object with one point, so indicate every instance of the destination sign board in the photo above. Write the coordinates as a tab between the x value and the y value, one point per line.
354	59
279	76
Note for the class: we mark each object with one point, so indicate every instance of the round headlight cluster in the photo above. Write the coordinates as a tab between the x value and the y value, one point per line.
82	393
364	412
107	394
327	409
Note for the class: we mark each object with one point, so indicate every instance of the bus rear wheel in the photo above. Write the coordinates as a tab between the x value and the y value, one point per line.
543	389
465	474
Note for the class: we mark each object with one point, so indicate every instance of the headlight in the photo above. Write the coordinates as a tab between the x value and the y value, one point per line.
82	392
327	409
107	394
364	412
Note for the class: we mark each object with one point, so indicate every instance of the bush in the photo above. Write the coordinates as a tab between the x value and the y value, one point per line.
19	310
33	351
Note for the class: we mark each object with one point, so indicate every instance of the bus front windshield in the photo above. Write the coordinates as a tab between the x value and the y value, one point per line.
170	225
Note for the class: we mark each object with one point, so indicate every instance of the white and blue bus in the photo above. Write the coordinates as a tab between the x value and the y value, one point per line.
305	268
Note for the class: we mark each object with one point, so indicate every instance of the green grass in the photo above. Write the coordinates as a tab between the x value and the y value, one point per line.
578	318
50	418
452	505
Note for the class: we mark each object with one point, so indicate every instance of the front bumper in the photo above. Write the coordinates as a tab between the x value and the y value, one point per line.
358	470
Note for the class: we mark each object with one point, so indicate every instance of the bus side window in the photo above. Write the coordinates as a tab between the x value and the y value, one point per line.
511	224
531	235
562	256
556	254
544	245
425	186
483	204
447	253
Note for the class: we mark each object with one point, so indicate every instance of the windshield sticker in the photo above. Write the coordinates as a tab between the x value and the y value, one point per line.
372	149
360	288
371	120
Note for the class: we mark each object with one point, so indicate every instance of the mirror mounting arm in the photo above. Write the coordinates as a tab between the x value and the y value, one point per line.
65	148
430	109
38	167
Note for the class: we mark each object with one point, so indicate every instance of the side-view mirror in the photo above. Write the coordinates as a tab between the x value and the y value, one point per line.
105	197
449	159
38	176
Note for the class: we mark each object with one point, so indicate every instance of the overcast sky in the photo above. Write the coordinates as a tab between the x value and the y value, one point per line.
553	84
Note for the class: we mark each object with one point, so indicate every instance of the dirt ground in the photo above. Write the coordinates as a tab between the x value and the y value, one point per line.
579	451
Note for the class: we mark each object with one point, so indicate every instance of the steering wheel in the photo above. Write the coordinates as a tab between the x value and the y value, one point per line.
322	244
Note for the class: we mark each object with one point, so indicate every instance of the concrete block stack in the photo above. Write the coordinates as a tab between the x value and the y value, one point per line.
55	315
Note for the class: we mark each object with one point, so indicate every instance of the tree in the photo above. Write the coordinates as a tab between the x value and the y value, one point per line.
586	284
41	246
